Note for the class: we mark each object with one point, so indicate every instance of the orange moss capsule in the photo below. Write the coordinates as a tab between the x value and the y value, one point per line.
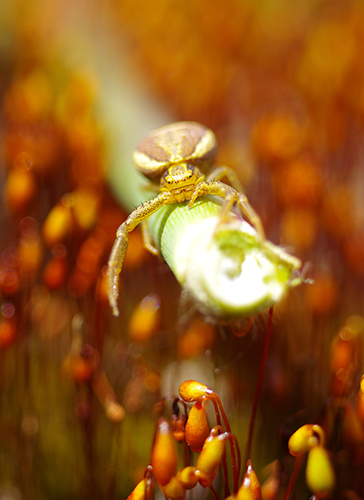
164	455
337	211
173	490
20	189
9	281
145	319
79	96
342	361
322	296
342	350
55	273
187	477
197	427
30	254
250	487
299	227
304	438
271	485
178	423
88	263
326	63
360	401
7	332
190	391
30	97
210	457
81	366
107	397
139	491
353	250
298	183
102	287
353	433
86	202
278	137
320	476
197	338
59	222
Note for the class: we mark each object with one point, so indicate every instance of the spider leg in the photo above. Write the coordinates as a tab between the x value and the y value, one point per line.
218	173
120	246
115	265
147	239
216	188
250	214
230	196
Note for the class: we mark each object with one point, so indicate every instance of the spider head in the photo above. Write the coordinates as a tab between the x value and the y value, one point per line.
181	180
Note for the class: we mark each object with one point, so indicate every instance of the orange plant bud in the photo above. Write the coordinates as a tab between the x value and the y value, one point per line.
190	391
77	368
337	211
321	297
55	273
197	338
91	252
20	189
58	224
102	286
164	455
298	183
360	400
86	204
353	250
7	332
212	452
81	366
139	491
178	423
30	253
304	438
173	490
9	281
114	411
250	487
320	476
299	227
107	397
342	350
270	487
278	137
340	382
187	477
353	432
197	427
145	319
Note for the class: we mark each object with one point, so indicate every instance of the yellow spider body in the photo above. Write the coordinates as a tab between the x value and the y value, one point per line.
176	155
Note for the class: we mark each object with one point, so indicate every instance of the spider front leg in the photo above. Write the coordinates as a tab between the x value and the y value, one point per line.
115	265
218	173
230	196
120	246
249	212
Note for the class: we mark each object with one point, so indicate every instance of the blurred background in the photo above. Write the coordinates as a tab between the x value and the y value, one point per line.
281	83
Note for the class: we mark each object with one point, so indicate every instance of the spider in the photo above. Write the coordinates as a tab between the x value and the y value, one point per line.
177	156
